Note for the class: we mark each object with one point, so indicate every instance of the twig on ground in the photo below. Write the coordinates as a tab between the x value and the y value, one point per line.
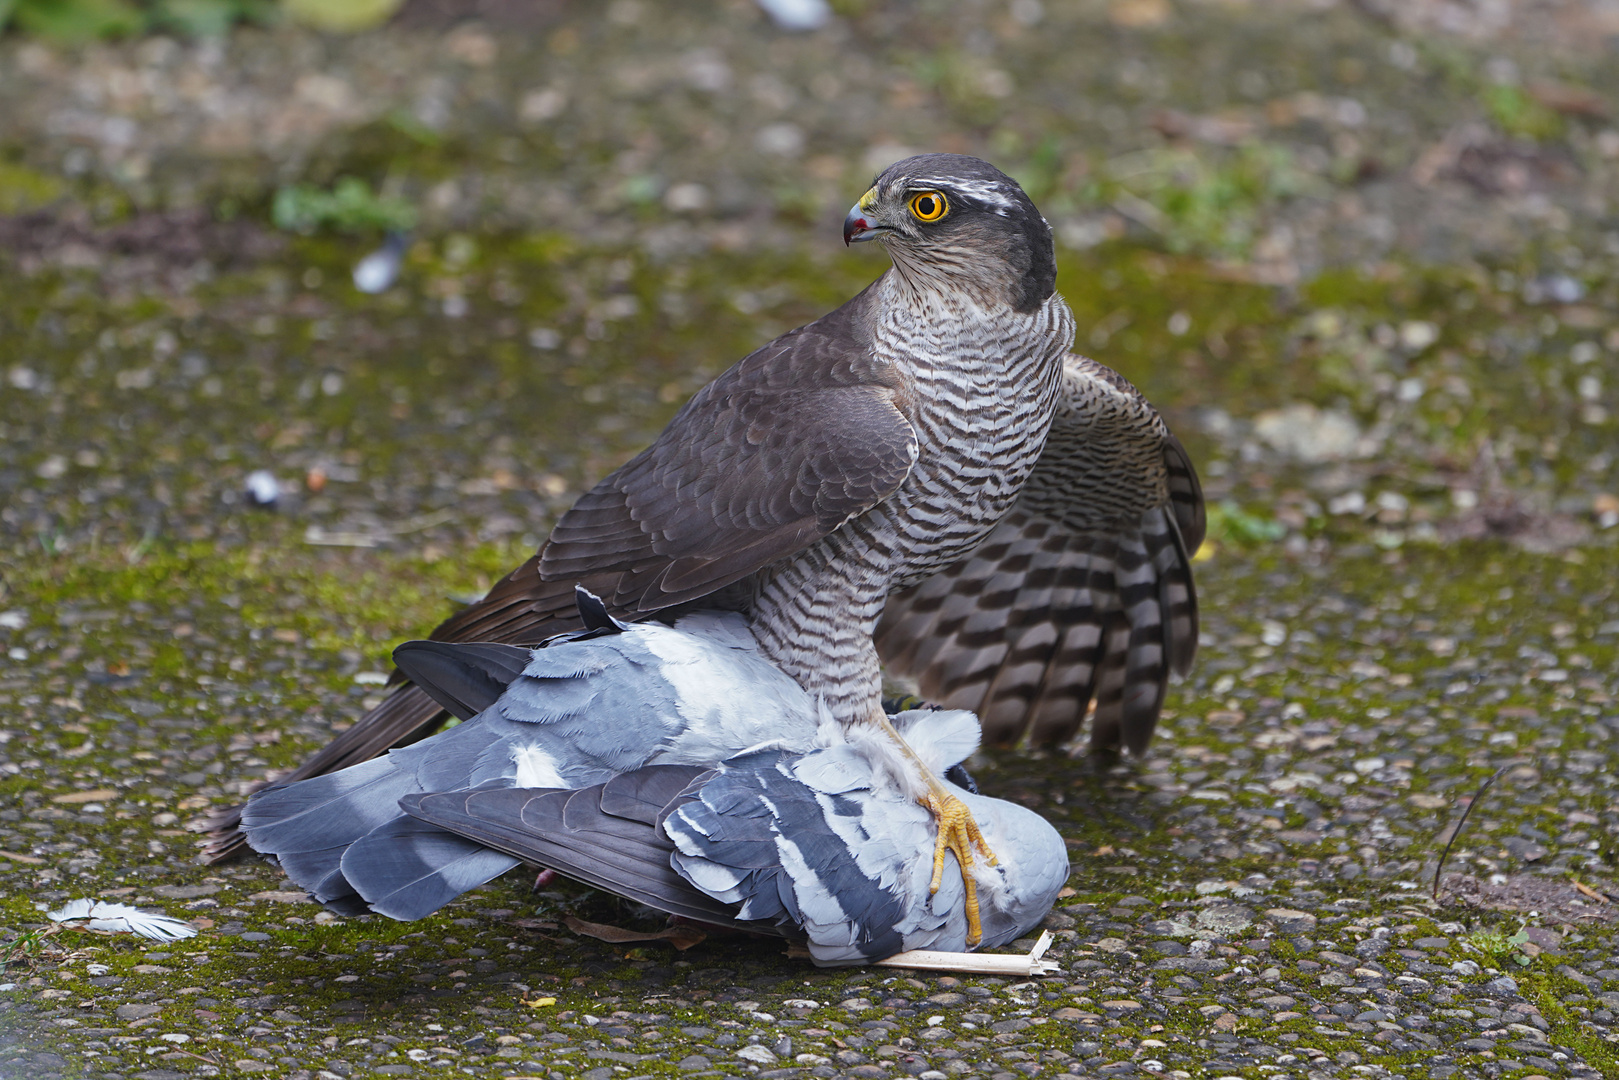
1457	831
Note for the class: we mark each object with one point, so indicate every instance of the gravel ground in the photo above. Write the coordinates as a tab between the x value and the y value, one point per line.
1361	256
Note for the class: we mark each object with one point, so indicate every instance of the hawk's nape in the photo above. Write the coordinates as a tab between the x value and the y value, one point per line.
1082	594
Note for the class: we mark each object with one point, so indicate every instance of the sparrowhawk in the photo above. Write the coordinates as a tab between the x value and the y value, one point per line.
847	463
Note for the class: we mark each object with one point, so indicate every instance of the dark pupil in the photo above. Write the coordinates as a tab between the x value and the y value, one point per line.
924	206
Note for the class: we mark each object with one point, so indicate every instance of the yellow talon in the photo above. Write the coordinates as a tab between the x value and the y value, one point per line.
958	832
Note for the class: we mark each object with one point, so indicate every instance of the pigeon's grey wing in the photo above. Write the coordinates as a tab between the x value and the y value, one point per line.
464	678
408	869
1083	593
646	795
756	836
570	832
693	695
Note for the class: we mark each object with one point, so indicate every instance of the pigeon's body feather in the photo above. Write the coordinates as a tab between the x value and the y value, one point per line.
583	709
826	847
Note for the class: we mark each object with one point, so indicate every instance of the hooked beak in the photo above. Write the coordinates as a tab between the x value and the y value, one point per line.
858	227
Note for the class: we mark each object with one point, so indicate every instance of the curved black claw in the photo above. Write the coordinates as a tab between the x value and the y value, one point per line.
959	776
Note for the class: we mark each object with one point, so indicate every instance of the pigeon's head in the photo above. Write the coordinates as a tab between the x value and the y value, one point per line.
1030	870
958	225
1032	859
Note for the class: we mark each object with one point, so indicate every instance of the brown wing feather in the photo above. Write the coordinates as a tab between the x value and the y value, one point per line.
773	455
776	453
1081	596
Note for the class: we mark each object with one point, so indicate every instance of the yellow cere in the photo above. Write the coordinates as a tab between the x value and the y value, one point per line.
929	205
869	199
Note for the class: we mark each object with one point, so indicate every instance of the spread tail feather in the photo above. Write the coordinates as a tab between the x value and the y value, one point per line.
408	869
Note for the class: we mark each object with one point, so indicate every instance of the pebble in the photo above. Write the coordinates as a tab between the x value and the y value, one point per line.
262	488
377	272
798	14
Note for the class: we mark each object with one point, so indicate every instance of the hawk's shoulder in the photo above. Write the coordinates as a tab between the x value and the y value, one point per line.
794	440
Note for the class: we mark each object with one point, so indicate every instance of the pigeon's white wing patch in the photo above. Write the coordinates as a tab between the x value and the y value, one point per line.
535	769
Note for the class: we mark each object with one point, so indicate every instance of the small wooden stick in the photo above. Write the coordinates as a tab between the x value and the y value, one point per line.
1029	963
1457	831
1588	891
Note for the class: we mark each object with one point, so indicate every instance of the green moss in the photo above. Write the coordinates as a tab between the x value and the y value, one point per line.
23	189
1549	991
1518	113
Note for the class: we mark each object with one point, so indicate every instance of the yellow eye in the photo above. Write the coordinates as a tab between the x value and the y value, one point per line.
929	205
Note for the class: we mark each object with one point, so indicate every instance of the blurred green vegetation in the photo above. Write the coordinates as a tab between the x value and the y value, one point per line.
71	22
1517	113
23	189
350	206
1204	203
1229	523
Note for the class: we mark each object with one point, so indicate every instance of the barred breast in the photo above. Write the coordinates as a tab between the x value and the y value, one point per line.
1081	596
983	389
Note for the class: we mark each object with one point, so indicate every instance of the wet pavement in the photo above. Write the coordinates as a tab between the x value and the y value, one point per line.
1362	263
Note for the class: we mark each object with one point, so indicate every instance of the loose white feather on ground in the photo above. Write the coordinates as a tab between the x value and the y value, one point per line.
121	919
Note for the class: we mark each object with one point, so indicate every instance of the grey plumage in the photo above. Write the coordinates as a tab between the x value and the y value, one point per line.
1083	592
583	708
674	766
827	847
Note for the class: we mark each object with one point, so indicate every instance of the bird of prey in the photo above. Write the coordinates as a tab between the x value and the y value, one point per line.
675	766
855	457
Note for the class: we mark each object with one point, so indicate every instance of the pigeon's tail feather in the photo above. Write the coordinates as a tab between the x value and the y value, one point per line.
320	874
326	811
307	825
406	716
465	679
520	610
408	869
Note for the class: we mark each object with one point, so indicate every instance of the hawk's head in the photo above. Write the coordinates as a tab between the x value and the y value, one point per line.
954	222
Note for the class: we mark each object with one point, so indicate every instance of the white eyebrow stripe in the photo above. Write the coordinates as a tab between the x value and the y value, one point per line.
990	193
